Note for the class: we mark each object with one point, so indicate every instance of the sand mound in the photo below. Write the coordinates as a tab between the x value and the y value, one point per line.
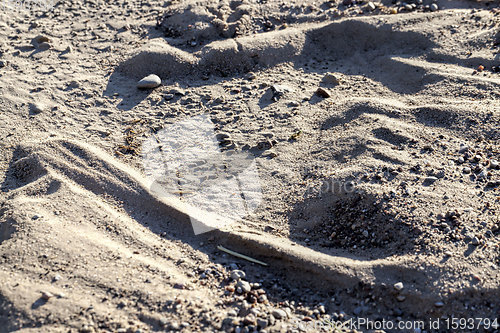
403	57
127	219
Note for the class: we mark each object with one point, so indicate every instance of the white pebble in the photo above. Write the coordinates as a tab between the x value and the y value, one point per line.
149	82
279	314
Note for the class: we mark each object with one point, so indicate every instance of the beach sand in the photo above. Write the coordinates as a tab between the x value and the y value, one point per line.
364	137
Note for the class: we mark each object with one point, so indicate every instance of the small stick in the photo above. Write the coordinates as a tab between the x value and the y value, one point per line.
239	255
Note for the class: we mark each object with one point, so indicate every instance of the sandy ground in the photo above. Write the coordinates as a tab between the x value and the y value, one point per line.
373	130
